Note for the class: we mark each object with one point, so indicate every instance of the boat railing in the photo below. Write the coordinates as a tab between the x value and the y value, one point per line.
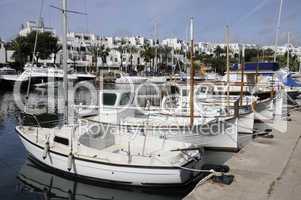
41	124
37	126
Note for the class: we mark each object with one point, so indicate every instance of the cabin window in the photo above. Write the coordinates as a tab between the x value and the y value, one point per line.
61	140
109	99
125	99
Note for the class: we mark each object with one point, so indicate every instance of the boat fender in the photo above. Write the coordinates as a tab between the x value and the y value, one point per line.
268	130
70	161
70	194
224	179
46	149
217	168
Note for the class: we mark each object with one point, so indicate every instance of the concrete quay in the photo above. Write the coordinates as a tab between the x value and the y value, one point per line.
263	169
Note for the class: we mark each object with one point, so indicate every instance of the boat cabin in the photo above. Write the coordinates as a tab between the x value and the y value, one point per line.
114	106
116	98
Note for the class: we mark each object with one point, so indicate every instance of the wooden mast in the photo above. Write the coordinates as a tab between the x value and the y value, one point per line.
242	68
257	67
192	71
288	50
228	67
65	67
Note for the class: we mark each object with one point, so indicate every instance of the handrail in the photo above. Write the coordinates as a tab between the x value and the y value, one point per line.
38	123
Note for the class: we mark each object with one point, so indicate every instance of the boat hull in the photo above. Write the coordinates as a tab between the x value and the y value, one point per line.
264	110
144	176
246	123
38	178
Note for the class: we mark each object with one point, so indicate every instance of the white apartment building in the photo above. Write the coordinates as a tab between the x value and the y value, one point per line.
30	26
2	53
208	48
281	50
173	43
136	41
5	55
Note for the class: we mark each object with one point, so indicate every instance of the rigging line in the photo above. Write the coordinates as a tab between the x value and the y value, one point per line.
34	49
86	16
251	12
286	8
277	30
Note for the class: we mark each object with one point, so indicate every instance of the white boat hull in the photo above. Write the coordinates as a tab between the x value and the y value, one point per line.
264	111
246	123
61	187
112	173
226	138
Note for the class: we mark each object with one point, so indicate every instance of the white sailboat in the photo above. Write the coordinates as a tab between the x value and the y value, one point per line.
113	156
117	111
220	103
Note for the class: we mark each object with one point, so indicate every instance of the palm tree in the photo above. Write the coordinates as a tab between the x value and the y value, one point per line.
93	49
132	50
218	51
103	53
165	52
121	50
148	53
268	54
24	46
21	50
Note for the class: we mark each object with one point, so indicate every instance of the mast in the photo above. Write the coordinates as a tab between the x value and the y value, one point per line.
191	94
172	61
277	31
257	67
299	64
64	19
228	66
156	46
242	68
288	50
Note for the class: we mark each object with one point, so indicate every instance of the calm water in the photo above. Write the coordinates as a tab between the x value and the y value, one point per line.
21	179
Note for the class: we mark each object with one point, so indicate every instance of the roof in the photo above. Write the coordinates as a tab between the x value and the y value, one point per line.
262	66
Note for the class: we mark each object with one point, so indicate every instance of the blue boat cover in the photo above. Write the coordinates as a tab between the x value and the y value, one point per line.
261	66
290	82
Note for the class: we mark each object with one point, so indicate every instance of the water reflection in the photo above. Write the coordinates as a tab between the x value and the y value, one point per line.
38	182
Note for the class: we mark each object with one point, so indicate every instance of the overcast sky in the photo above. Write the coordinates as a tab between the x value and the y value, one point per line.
250	20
